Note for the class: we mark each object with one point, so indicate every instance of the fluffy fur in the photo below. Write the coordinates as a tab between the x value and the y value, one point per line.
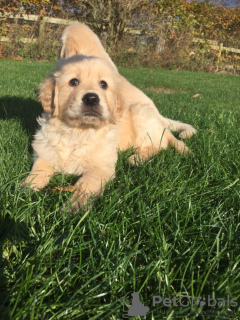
76	137
141	125
90	111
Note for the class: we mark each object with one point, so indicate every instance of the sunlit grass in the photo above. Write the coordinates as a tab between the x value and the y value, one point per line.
167	228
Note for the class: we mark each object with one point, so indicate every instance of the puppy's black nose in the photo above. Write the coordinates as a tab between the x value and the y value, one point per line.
90	99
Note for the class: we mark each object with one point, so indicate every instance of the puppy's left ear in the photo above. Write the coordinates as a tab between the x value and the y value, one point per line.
48	95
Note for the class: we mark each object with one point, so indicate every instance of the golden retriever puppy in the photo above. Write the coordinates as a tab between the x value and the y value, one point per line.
78	132
141	124
90	111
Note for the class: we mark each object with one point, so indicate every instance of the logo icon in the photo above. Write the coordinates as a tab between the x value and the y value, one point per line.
136	309
200	302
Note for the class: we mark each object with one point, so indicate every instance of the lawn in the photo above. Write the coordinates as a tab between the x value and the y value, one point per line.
169	228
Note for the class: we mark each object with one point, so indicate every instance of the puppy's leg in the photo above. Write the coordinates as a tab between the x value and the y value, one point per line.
40	174
177	144
148	149
151	134
90	185
186	130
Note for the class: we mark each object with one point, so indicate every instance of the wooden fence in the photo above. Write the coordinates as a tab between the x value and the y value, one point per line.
43	20
215	46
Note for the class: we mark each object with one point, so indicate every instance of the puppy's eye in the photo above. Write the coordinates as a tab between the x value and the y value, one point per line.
103	84
74	82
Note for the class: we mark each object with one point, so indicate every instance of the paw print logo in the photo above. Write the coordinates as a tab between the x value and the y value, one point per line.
201	301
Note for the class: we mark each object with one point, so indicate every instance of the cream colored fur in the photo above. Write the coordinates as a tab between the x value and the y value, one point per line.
141	126
70	140
77	139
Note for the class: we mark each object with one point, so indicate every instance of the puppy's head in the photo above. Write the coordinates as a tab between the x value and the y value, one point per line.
82	91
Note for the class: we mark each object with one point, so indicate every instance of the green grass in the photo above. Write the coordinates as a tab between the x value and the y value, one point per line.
170	227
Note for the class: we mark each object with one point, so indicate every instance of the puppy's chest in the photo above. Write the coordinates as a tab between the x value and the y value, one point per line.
73	151
74	148
68	151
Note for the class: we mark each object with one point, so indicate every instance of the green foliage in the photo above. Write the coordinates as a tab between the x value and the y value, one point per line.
169	227
36	50
31	6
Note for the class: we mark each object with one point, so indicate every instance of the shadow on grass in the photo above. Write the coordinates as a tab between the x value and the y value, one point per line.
25	110
10	231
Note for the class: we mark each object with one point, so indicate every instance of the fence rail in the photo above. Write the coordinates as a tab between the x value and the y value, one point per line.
42	19
215	46
32	17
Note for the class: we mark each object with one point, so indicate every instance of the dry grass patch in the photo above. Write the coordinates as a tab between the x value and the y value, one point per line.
164	90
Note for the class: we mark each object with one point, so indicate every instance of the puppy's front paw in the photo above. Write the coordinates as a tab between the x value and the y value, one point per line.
31	182
81	202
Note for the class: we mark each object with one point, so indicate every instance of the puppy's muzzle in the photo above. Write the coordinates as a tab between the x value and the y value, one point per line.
91	106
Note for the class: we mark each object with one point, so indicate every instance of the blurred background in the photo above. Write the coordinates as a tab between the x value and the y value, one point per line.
191	35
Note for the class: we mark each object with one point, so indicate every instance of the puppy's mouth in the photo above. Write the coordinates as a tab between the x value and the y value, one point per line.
92	112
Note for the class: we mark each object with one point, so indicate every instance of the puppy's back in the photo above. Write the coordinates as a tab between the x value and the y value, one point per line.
80	39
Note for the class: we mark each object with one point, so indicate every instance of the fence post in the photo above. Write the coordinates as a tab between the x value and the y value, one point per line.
41	31
219	54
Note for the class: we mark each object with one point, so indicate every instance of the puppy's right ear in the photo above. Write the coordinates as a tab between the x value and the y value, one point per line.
46	94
